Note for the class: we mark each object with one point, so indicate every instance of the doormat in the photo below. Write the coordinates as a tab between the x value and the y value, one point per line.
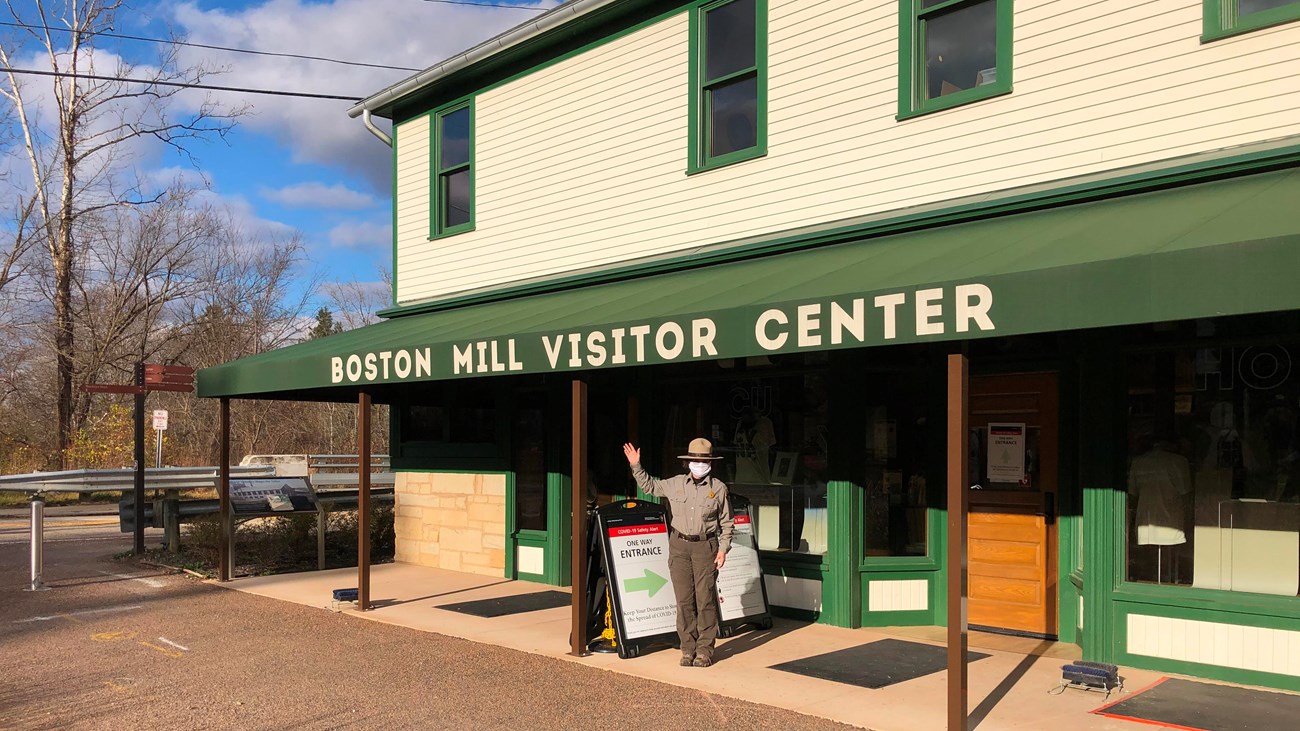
1193	706
876	664
517	604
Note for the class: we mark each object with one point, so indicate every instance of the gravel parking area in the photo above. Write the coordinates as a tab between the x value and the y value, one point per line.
116	644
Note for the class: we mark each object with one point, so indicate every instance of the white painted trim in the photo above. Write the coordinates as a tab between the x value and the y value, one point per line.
531	560
907	595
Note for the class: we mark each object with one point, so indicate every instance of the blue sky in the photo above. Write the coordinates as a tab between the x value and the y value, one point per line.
298	163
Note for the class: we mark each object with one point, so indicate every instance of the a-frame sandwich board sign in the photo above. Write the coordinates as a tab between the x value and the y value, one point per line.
634	543
742	595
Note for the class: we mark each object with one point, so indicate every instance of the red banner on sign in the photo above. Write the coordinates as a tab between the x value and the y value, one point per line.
637	530
742	520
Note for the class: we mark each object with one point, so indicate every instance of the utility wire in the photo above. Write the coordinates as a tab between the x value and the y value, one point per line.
180	84
488	5
144	39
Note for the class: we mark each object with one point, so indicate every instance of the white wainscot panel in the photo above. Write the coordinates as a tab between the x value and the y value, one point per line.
1214	643
532	559
898	596
792	592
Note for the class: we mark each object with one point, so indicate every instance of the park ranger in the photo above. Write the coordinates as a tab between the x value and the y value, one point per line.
699	535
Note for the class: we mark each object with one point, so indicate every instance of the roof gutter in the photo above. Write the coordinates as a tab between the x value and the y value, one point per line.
370	125
513	37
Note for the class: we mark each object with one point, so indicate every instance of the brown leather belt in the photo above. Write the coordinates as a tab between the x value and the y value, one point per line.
690	539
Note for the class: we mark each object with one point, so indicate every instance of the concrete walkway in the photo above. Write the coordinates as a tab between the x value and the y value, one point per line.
1008	690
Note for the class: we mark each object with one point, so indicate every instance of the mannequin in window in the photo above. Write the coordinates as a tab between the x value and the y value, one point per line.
1159	482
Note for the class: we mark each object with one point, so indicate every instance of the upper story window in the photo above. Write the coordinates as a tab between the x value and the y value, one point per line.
1230	17
952	52
452	207
728	105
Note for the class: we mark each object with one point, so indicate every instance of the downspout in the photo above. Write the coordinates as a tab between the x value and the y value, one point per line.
370	125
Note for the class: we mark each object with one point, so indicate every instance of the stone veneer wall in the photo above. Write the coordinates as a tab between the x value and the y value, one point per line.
452	521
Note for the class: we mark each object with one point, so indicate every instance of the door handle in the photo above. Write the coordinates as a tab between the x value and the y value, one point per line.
1049	507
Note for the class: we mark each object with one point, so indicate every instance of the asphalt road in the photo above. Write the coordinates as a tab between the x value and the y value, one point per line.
67	523
117	645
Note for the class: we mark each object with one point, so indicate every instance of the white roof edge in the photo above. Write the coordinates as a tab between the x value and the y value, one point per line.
552	18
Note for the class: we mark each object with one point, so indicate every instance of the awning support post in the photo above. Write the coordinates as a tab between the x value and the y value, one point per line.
363	502
223	495
578	630
958	507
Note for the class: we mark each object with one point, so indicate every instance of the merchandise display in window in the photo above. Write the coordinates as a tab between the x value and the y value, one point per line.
1214	468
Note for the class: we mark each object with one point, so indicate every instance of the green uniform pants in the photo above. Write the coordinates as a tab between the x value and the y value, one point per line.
695	582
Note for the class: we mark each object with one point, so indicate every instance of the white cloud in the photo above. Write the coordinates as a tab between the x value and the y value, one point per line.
393	32
361	235
318	195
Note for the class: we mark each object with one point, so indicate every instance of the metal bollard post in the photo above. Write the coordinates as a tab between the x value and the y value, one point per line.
38	543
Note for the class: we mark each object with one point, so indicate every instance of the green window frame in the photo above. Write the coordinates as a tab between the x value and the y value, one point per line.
914	77
1227	18
452	169
705	86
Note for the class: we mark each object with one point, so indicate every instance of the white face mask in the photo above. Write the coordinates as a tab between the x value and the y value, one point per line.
699	469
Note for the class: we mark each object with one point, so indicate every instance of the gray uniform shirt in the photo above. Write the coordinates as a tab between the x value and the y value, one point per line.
697	508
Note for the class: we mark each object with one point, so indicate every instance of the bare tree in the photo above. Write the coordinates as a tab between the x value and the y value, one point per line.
77	155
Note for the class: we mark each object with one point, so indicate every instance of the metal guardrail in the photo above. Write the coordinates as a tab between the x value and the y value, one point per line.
155	478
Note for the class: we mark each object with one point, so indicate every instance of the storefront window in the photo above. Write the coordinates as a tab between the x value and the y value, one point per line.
1214	468
897	450
528	444
771	429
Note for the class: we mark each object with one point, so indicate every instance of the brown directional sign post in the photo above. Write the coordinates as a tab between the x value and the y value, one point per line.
148	377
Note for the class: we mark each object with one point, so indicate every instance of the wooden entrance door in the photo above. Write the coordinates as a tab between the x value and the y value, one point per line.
1012	528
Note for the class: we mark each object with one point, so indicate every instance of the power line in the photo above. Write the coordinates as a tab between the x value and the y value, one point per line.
181	84
488	5
204	45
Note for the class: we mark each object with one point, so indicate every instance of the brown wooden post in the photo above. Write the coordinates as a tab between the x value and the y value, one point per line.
958	506
578	630
223	495
363	502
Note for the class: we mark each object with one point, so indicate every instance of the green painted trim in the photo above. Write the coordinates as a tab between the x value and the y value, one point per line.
1218	672
1101	425
1223	18
437	228
558	530
912	17
697	144
874	564
842	589
1119	186
1069	504
1266	610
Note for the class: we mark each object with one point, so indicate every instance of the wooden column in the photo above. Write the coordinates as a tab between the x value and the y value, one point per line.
958	506
578	628
363	502
223	495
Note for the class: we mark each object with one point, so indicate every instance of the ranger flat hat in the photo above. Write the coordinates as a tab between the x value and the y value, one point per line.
700	449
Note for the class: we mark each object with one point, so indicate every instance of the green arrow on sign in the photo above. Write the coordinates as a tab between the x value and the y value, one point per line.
651	582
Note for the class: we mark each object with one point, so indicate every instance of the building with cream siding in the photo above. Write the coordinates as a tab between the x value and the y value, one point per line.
770	222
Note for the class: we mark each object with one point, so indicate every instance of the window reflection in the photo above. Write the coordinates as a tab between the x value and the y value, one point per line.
771	431
897	450
960	49
1254	6
729	38
734	116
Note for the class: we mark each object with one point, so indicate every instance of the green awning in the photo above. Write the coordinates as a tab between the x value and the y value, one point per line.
1220	248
